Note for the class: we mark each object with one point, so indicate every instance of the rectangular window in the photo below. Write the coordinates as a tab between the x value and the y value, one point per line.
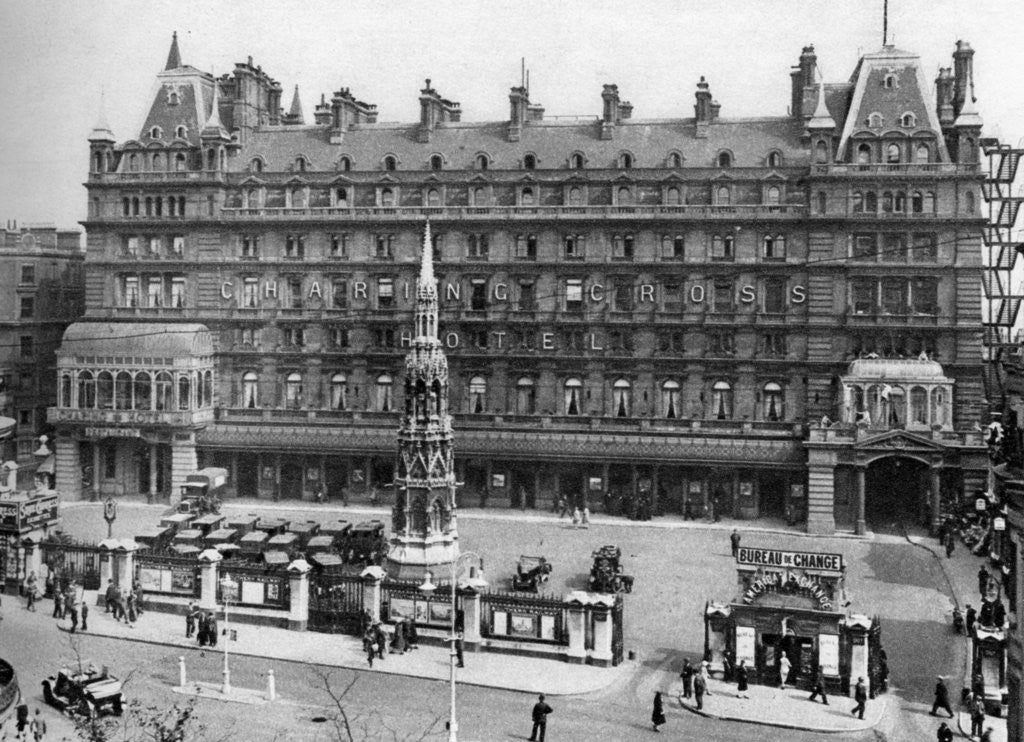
28	275
385	293
773	247
178	244
25	417
384	338
295	293
250	336
623	295
26	346
478	295
131	291
622	247
339	337
250	292
154	245
527	296
295	246
672	298
673	247
774	299
295	336
723	295
574	294
339	293
894	248
894	296
384	247
250	246
177	293
28	307
773	344
131	245
925	295
154	292
339	246
722	247
479	246
862	295
926	248
721	343
526	247
864	247
575	246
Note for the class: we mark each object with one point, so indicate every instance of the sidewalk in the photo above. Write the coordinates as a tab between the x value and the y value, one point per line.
788	709
486	669
962	575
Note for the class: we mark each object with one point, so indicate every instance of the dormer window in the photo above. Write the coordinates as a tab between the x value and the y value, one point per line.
864	154
908	120
344	163
390	163
256	165
530	162
875	120
155	133
891	81
774	159
181	132
482	162
576	161
922	153
724	159
436	162
300	164
526	199
625	161
675	160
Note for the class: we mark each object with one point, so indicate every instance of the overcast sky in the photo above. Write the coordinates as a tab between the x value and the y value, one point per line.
57	56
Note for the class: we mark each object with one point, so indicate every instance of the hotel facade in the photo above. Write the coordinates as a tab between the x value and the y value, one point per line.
775	317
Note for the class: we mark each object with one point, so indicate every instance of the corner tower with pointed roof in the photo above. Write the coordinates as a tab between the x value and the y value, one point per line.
424	529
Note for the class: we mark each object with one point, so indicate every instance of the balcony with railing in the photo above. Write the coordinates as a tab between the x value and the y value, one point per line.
175	176
895	168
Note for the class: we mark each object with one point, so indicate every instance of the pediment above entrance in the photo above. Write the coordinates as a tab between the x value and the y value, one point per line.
897	440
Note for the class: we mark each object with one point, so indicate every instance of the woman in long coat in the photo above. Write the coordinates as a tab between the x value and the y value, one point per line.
741	680
658	713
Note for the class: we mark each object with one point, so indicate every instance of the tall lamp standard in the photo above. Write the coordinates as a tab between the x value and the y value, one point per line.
228	588
428	587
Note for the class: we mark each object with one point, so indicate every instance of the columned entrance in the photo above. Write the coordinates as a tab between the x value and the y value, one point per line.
897	491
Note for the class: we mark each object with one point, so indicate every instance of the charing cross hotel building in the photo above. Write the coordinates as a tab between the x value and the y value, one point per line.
779	315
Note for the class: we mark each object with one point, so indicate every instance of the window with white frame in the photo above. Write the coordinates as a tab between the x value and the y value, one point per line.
477	395
721	400
771	401
385	390
670	399
293	390
621	398
339	392
250	390
573	396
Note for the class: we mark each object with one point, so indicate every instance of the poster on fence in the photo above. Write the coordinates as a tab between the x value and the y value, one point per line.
252	592
149	578
547	628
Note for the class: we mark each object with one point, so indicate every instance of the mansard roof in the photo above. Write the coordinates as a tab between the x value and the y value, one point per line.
650	141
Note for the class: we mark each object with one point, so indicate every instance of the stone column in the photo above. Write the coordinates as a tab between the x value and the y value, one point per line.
152	471
68	468
577	628
654	489
368	475
936	497
33	552
298	583
209	567
861	527
183	461
557	477
372	579
536	487
606	483
601	654
486	494
586	491
821	492
96	470
124	557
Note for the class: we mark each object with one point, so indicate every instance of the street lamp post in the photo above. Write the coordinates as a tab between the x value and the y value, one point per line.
227	588
429	587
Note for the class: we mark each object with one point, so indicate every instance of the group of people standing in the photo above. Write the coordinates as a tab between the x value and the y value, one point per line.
201	624
125	605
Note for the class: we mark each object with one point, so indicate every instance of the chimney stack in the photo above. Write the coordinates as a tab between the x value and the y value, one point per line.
963	74
611	111
802	77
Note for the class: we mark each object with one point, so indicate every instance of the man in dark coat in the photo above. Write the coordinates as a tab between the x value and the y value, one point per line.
191	614
699	687
85	615
687	676
819	686
950	545
540	719
734	540
982	581
941	698
944	733
459	649
970	618
211	629
860	695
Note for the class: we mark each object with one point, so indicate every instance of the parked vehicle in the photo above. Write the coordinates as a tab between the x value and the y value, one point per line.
202	491
531	573
606	575
88	692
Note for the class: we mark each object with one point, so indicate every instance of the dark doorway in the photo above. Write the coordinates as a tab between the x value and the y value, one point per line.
772	492
895	494
248	469
336	474
291	481
142	468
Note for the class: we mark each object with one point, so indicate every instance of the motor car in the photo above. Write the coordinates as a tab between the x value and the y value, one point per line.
90	691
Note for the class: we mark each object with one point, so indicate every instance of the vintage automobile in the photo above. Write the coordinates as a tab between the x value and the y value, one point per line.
202	491
88	692
531	572
606	574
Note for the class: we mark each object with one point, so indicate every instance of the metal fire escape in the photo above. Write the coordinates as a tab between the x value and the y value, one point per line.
1003	266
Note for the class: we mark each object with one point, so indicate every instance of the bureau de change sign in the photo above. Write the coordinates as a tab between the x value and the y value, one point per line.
778	559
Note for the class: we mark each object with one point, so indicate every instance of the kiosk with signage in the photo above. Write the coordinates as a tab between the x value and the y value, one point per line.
793	602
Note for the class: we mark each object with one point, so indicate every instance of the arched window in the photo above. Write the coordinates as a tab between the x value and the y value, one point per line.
433	197
897	405
900	204
133	162
293	390
135	206
65	390
675	160
482	162
477	395
385	390
573	390
208	388
184	392
345	163
892	153
436	162
387	197
86	390
821	152
300	164
530	162
479	196
670	399
621	390
575	196
181	162
929	202
922	153
250	390
940	412
122	391
771	401
105	390
390	163
871	202
887	202
916	202
164	391
773	196
721	400
143	391
908	120
181	132
155	133
919	405
857	202
211	159
625	161
339	392
774	159
723	196
672	197
576	162
864	154
969	202
256	165
526	396
526	198
298	198
158	162
724	159
875	120
625	196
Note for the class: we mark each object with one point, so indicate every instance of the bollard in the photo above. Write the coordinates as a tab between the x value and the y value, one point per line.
271	686
181	672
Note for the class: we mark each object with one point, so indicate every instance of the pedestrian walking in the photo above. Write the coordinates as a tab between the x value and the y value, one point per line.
819	686
716	511
38	727
585	522
211	629
31	589
191	613
576	517
705	672
970	619
977	715
860	695
658	712
110	598
58	604
784	667
369	649
459	649
700	686
741	680
203	629
941	697
687	677
137	589
382	640
734	540
944	733
71	600
130	607
950	545
540	719
120	608
22	716
563	506
983	581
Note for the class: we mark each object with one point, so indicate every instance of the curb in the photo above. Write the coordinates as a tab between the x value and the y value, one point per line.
785	725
